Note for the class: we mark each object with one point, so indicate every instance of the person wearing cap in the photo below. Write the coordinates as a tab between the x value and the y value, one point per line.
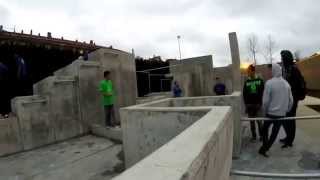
252	96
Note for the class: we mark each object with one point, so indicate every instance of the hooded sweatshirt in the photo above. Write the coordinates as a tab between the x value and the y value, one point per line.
277	96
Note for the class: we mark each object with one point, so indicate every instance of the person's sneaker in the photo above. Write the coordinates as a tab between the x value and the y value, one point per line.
283	140
6	116
263	153
286	146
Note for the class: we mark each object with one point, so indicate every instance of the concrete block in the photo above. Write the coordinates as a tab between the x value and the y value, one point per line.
145	130
88	74
64	105
114	134
35	122
10	140
201	152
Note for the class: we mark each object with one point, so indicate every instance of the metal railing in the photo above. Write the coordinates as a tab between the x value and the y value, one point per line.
275	175
317	117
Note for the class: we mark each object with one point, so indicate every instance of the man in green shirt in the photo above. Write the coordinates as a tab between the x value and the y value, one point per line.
106	90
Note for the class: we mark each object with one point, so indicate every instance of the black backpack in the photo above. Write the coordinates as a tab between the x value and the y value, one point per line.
301	85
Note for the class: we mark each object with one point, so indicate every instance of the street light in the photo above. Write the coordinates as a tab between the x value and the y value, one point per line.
178	37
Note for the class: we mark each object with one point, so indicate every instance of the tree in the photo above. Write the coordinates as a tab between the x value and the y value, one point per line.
297	55
253	47
270	49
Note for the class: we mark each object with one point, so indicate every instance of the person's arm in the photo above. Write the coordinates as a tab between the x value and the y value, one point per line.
261	89
266	98
245	93
290	104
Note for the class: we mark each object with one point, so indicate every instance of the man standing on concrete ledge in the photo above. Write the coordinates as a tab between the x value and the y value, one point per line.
106	90
277	102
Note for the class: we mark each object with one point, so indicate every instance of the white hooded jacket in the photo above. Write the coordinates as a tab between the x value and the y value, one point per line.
277	96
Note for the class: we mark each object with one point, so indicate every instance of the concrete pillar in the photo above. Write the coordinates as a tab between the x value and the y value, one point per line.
236	75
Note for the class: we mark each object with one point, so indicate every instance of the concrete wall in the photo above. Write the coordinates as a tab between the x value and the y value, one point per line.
67	104
146	129
64	113
310	69
201	152
123	75
194	75
10	138
234	100
155	119
36	127
88	75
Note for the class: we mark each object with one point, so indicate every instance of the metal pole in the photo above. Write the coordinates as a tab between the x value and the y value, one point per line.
149	82
282	119
275	175
178	37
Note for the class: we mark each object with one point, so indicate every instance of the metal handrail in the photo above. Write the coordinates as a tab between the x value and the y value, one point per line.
282	119
275	175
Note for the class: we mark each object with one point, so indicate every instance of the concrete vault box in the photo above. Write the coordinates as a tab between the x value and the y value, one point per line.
188	138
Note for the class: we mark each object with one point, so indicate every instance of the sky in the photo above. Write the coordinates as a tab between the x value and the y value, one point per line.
151	27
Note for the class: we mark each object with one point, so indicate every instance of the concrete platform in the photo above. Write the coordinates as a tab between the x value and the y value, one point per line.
303	157
85	158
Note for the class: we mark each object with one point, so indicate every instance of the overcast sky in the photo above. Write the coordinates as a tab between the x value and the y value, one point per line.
151	27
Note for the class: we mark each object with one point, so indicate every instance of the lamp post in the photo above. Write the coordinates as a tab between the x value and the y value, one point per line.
179	37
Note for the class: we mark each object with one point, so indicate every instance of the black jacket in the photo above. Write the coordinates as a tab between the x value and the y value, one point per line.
253	91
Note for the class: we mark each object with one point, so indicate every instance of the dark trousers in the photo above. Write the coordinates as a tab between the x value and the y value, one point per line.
252	110
110	117
268	141
290	125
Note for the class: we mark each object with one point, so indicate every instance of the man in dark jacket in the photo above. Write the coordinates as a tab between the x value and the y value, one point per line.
252	96
298	87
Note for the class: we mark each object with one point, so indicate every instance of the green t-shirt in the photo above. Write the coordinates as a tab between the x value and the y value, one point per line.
106	87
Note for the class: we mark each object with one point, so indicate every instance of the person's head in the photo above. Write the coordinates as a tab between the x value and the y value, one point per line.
286	57
274	70
218	80
106	75
251	70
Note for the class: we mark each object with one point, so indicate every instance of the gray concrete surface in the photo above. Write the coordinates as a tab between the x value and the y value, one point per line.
194	72
303	157
201	152
233	100
85	158
146	129
112	133
63	104
88	75
10	138
36	128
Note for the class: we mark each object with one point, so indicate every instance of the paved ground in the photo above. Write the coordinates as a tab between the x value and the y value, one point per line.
85	158
304	157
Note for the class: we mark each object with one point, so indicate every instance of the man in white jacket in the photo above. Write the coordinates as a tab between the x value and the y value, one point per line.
277	101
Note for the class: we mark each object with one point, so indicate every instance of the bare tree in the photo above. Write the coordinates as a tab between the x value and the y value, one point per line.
253	47
270	49
297	55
